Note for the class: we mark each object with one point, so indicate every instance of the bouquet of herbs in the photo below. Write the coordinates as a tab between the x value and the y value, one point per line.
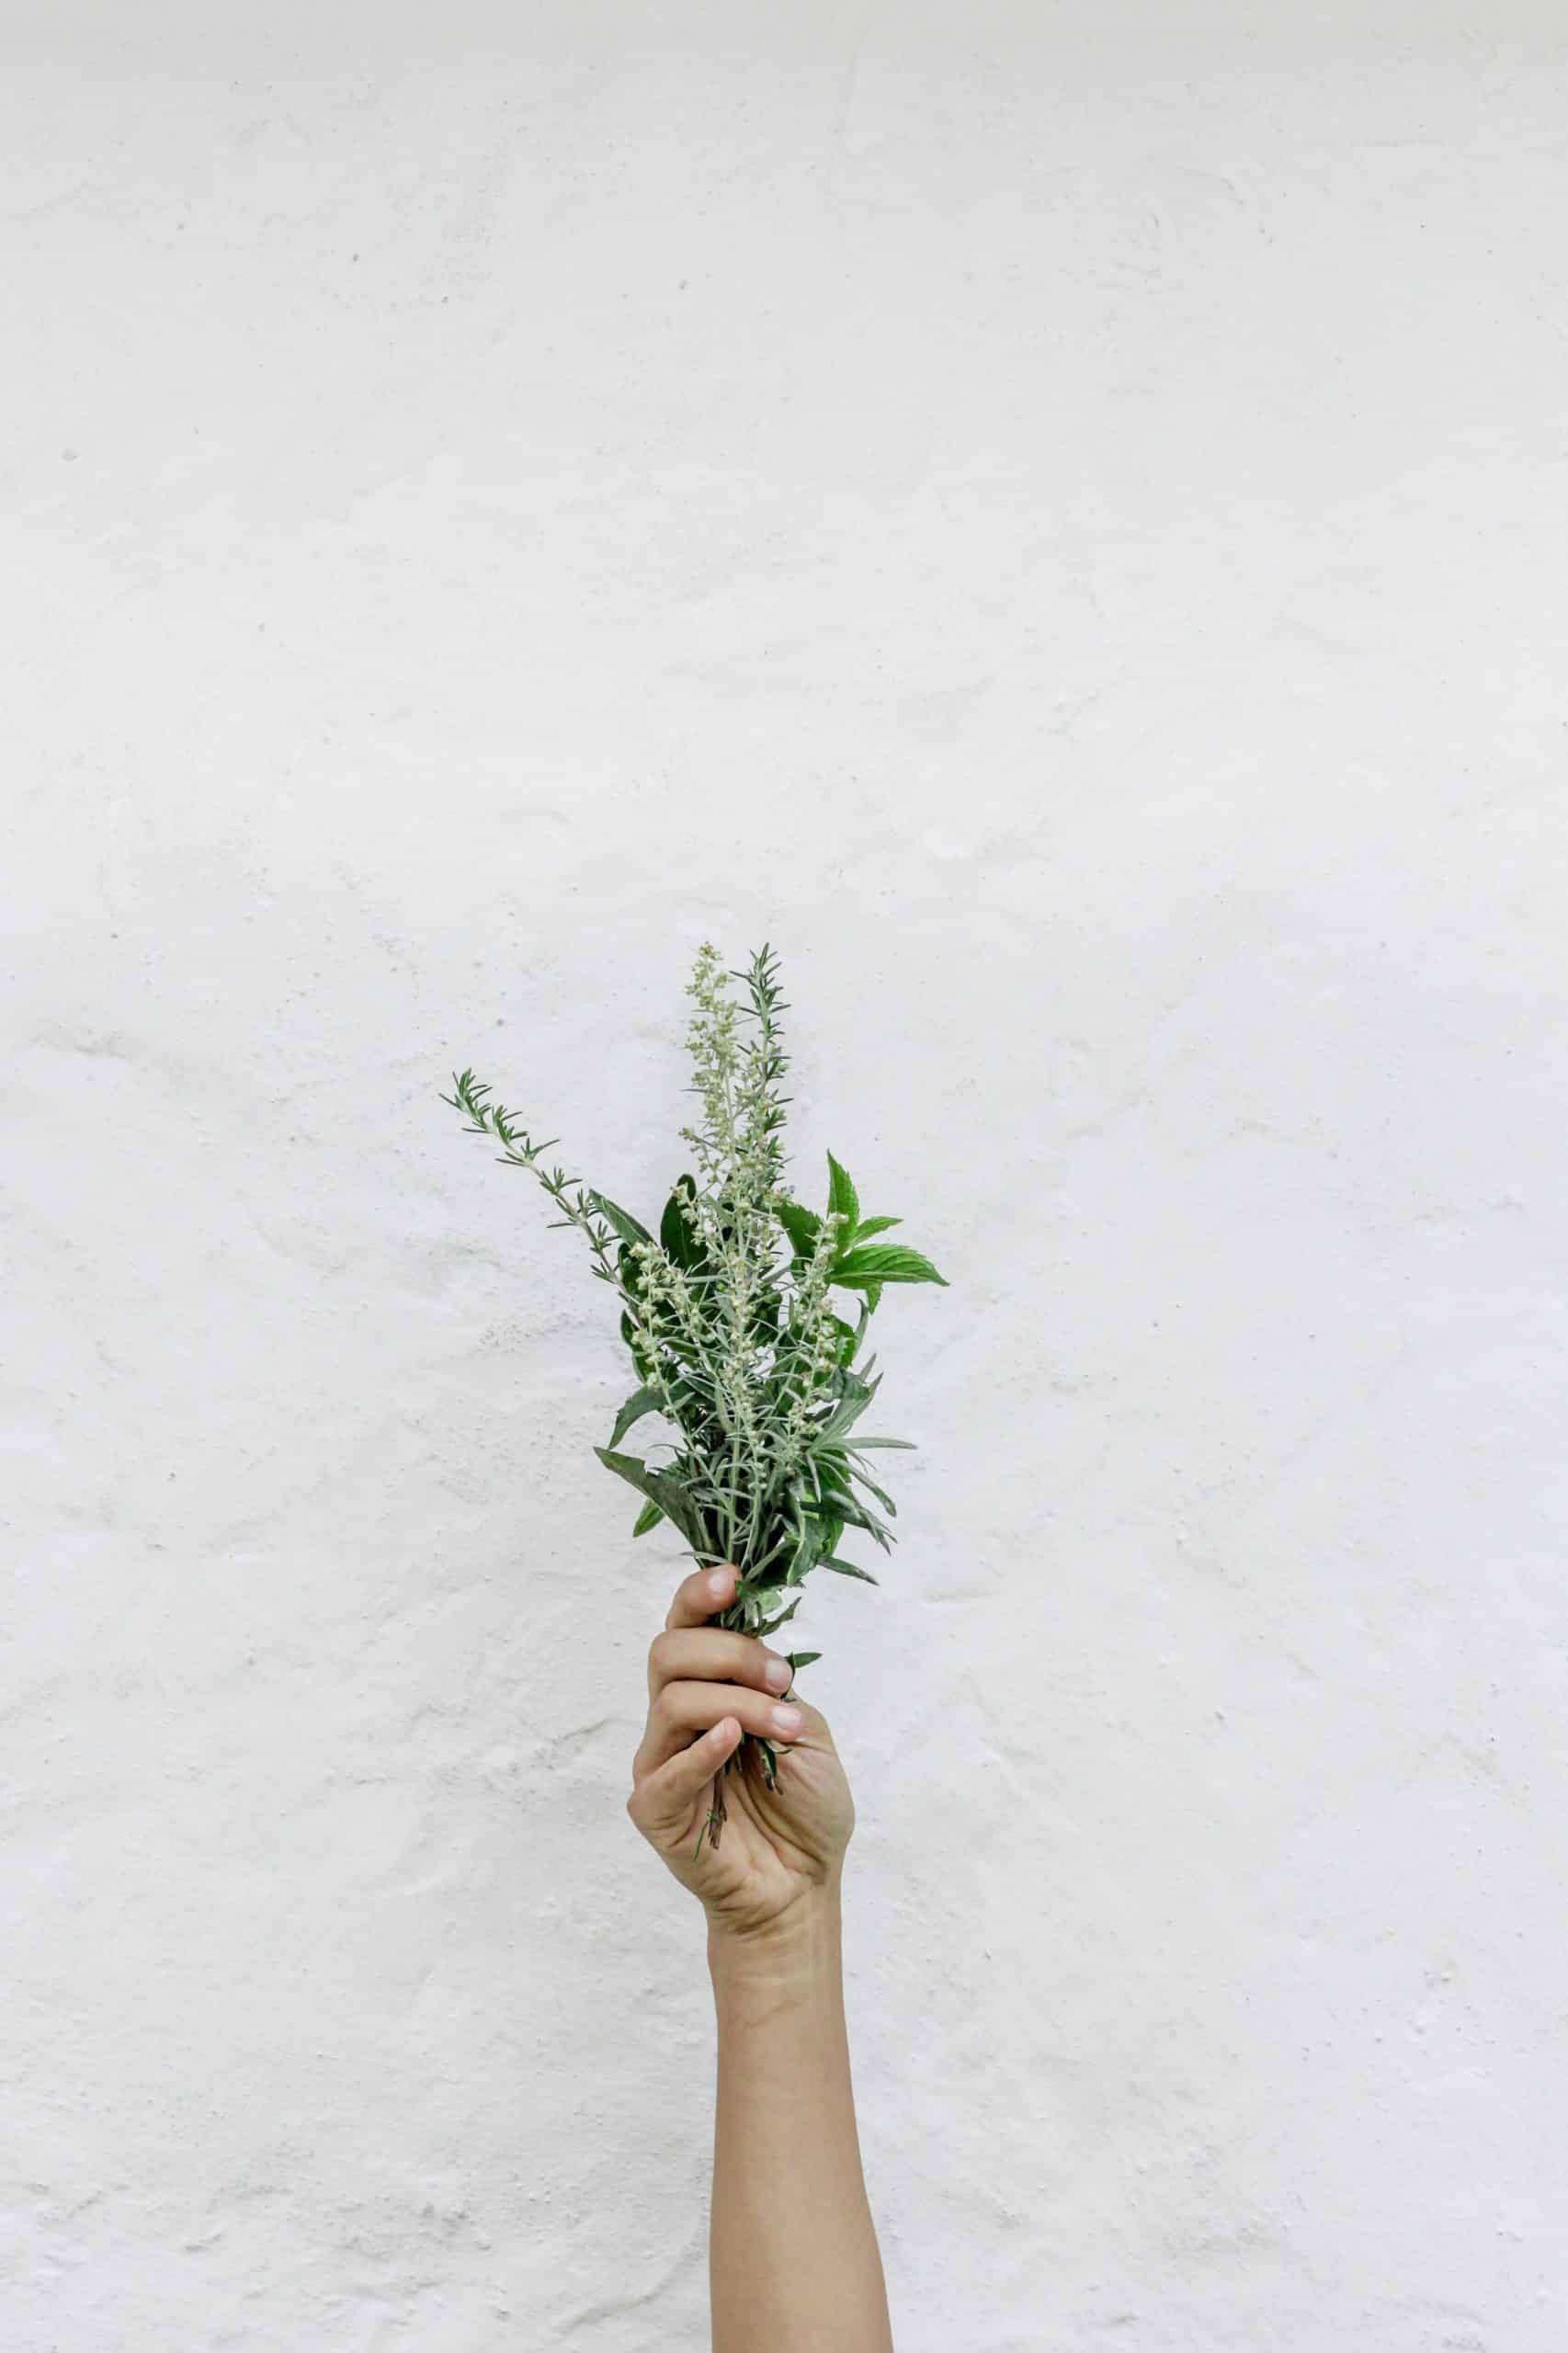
731	1315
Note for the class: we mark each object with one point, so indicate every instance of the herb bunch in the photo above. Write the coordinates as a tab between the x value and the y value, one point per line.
731	1315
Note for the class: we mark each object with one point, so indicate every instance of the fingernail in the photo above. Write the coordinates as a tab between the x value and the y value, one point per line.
788	1718
719	1583
778	1673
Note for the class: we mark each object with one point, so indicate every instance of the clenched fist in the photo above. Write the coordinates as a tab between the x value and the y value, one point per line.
779	1847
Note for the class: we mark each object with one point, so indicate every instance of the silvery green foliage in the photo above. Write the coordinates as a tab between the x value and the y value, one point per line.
731	1316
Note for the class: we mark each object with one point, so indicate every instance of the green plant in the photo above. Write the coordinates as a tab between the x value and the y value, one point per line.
730	1317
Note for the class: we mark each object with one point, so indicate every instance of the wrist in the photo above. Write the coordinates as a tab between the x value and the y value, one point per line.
798	1947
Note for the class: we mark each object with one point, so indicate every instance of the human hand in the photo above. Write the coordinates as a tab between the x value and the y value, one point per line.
779	1848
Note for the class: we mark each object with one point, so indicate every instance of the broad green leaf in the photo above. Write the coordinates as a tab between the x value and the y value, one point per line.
848	1569
638	1353
874	1225
771	1625
801	1225
680	1242
842	1197
873	1297
799	1659
649	1516
641	1401
630	1273
625	1224
884	1262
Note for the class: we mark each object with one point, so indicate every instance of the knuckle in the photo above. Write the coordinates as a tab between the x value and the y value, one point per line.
659	1651
665	1712
749	1659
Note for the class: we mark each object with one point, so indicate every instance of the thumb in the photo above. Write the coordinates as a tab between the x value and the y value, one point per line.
661	1805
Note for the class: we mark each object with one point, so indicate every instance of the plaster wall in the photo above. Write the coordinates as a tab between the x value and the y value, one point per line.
1054	515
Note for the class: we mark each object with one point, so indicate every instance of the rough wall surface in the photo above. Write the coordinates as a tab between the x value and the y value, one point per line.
1052	514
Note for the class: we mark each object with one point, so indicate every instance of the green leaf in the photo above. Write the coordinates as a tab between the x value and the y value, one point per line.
641	1401
871	1487
830	1467
848	1569
874	1225
873	1297
853	1399
829	1527
649	1516
806	1549
771	1625
842	1197
799	1659
801	1225
905	1445
848	1339
680	1242
624	1223
659	1488
630	1273
884	1262
638	1353
855	1513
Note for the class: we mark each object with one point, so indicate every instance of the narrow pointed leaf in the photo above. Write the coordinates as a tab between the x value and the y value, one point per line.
659	1488
806	1550
855	1397
848	1569
641	1401
649	1516
625	1224
871	1487
874	1225
856	1515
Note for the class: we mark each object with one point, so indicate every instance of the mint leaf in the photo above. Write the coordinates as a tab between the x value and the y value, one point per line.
842	1197
884	1262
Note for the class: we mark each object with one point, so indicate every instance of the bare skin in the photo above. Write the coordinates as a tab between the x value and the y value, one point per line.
793	2251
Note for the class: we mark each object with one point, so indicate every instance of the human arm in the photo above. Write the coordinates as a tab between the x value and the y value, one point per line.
794	2255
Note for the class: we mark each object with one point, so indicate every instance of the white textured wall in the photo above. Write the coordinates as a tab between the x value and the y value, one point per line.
1053	515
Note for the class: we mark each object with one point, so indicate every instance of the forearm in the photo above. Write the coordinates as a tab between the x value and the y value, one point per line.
793	2252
